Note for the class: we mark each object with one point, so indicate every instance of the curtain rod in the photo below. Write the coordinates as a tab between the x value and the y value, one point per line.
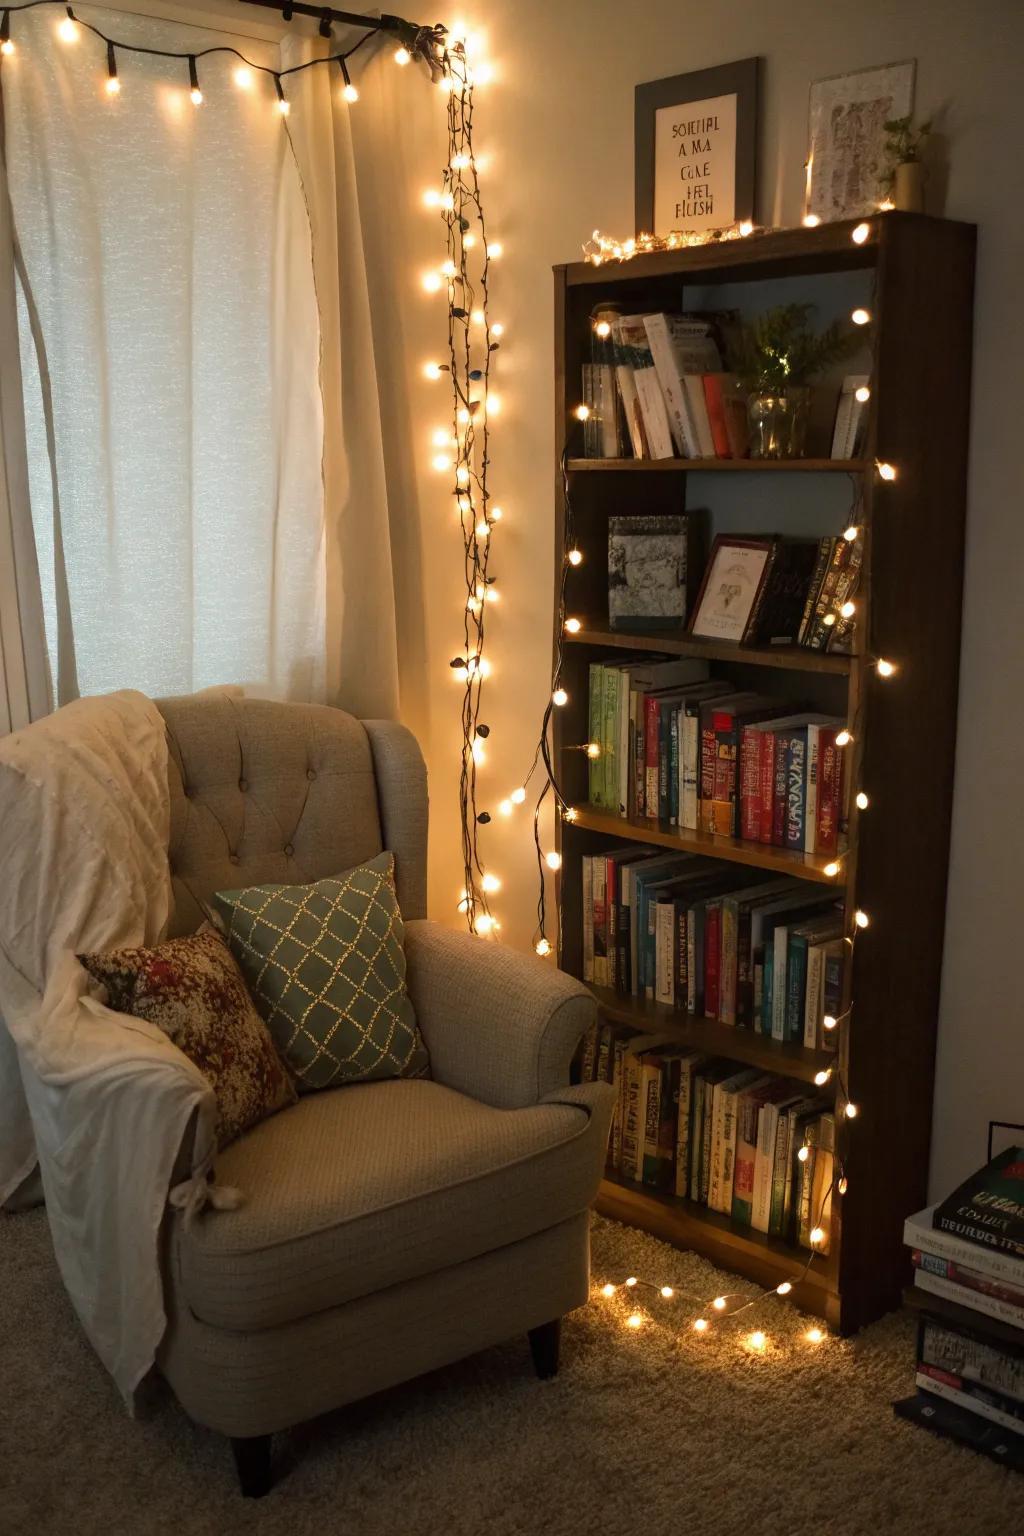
326	14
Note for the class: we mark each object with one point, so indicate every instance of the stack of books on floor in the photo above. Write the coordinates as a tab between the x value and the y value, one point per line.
968	1255
684	750
740	947
722	1136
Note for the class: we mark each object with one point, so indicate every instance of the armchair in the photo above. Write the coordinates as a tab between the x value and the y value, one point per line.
387	1228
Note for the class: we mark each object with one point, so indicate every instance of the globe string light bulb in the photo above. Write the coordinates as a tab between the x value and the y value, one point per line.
811	221
885	668
560	697
602	329
849	534
851	1111
832	868
518	796
575	557
886	471
844	738
193	80
862	801
583	413
862	394
485	923
542	947
784	1288
243	77
822	1077
553	860
667	1292
746	228
814	1335
701	1325
861	918
348	90
634	1320
573	626
861	316
402	56
490	884
631	1281
758	1340
570	814
817	1236
68	29
6	46
113	83
803	1153
860	233
608	1290
593	749
719	1303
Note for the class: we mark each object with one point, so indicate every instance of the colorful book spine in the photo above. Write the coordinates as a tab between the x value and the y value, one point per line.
751	759
829	793
796	787
712	957
652	722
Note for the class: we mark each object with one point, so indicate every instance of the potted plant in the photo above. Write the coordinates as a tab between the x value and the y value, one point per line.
776	358
903	178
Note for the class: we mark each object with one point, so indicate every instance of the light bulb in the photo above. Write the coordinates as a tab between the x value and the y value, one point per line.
402	56
468	242
575	557
634	1320
746	228
822	1077
462	475
848	610
608	1290
719	1303
843	1185
573	626
432	371
441	462
811	220
478	317
446	85
851	1111
432	198
570	814
496	514
667	1292
829	620
886	205
113	85
784	1289
631	1281
885	668
803	1154
283	106
542	947
7	47
814	1335
483	530
832	868
843	738
518	796
431	280
448	268
553	860
849	534
462	416
885	471
593	749
196	95
490	883
862	801
757	1339
817	1236
243	77
494	250
861	919
485	923
493	404
459	162
349	92
860	233
67	31
448	201
862	393
583	413
497	329
829	1021
701	1325
860	316
479	751
560	697
505	807
602	329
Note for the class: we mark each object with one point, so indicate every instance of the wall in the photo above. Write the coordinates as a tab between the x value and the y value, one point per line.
556	126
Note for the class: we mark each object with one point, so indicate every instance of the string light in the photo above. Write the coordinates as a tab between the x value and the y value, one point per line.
433	371
784	1288
822	1077
811	221
862	393
348	90
885	668
803	1153
849	534
885	471
851	1111
560	697
701	1325
861	919
631	1281
635	1320
862	801
829	1021
758	1340
816	1236
608	1290
861	316
860	233
518	796
494	250
68	30
573	626
667	1292
283	105
574	557
719	1303
243	77
491	883
553	860
113	83
832	868
746	228
814	1335
193	80
543	947
844	737
6	46
402	56
593	749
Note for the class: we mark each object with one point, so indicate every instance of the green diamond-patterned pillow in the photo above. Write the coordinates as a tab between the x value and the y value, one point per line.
326	969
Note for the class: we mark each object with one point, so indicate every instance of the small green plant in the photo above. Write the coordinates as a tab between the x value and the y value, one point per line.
779	349
903	146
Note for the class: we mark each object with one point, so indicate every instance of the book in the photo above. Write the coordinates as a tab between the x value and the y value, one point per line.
781	608
727	413
683	351
985	1298
919	1231
657	429
633	1118
850	414
972	1396
622	335
988	1208
826	549
725	1109
828	601
688	1065
966	1354
955	1423
647	571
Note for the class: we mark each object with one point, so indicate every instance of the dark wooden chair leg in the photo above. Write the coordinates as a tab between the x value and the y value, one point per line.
252	1458
544	1342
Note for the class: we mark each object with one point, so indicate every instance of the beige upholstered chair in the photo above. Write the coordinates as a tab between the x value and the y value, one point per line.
387	1228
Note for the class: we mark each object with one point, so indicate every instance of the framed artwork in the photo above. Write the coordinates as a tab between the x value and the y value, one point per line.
846	138
730	593
695	142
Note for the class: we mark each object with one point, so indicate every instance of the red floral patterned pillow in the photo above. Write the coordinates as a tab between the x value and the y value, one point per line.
192	989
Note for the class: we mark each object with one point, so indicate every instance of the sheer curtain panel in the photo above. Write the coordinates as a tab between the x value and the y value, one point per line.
170	348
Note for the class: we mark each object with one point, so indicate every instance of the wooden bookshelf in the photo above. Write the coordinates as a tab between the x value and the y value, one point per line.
911	269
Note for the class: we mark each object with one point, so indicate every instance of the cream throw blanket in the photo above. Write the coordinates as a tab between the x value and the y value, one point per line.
84	825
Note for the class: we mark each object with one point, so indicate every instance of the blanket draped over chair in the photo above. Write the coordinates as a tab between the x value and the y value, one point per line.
102	1100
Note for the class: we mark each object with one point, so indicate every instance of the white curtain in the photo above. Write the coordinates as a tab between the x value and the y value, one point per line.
170	348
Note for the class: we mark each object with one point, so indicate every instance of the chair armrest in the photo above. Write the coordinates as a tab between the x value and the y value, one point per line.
499	1025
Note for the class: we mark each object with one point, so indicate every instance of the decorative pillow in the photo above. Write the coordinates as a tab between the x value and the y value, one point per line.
326	968
193	990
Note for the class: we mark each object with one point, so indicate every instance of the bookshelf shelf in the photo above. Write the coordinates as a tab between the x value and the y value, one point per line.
787	1060
789	659
748	466
910	268
781	861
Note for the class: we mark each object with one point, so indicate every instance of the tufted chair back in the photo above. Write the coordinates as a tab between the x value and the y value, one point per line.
288	793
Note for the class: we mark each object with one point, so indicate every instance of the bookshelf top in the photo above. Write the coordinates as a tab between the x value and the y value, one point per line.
774	253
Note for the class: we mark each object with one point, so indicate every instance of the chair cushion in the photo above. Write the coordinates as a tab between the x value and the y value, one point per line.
363	1187
192	989
326	968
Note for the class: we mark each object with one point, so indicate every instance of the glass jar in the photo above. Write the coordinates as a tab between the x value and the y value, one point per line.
778	422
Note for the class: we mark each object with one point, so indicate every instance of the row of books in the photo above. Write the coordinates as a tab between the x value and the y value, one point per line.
722	1136
678	747
968	1256
737	946
665	372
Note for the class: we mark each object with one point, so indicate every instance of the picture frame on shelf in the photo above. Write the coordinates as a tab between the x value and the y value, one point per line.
846	138
730	594
695	146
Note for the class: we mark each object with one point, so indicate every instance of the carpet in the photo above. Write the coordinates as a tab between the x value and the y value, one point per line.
656	1431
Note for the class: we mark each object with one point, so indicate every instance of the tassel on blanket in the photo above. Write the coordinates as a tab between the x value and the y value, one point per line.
195	1194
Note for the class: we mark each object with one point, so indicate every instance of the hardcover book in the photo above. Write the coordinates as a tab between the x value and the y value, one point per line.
988	1208
647	572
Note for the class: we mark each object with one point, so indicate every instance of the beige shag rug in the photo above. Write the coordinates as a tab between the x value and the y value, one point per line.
647	1432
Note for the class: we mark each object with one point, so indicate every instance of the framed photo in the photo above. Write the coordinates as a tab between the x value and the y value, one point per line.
846	138
730	593
695	141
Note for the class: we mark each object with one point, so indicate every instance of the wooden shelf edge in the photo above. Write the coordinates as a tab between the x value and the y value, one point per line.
785	1058
789	658
758	466
764	1260
734	850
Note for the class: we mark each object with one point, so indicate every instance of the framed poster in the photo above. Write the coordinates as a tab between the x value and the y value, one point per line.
846	137
731	590
695	142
